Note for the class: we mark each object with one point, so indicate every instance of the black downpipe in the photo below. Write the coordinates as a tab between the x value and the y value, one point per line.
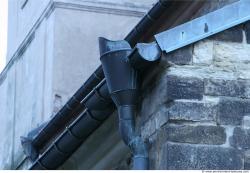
122	81
98	106
74	106
136	144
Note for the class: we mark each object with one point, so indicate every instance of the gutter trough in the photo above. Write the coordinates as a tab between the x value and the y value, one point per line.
91	105
98	107
73	107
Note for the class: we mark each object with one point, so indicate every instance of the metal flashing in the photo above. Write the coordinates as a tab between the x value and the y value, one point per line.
204	26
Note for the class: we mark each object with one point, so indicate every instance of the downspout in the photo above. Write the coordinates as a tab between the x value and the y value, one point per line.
99	106
73	108
119	64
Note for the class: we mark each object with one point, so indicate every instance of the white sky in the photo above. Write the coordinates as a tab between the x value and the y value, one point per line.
3	32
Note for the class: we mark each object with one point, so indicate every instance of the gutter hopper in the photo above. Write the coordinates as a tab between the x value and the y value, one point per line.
121	67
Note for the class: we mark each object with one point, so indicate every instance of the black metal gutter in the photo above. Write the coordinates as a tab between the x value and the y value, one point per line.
73	107
68	112
98	107
89	119
148	21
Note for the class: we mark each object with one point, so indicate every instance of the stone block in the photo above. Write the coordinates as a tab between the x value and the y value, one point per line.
156	146
221	87
229	56
193	110
212	135
184	88
181	56
246	121
231	111
184	156
203	52
234	34
240	138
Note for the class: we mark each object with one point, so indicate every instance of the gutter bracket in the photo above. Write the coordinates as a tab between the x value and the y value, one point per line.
28	148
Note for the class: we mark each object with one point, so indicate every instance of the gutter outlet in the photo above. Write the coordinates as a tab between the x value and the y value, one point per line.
120	68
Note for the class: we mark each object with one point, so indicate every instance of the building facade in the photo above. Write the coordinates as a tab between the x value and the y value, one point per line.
194	111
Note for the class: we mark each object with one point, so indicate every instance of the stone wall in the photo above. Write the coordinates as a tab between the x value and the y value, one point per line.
195	107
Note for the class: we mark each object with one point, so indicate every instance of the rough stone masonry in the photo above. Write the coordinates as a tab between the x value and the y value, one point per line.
195	111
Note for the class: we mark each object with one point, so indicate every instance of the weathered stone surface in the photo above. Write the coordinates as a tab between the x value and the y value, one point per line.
229	56
203	52
213	71
213	135
246	121
20	26
240	138
68	39
183	156
148	128
234	34
155	97
193	110
161	117
156	146
184	88
7	113
231	111
28	70
181	56
155	122
231	88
